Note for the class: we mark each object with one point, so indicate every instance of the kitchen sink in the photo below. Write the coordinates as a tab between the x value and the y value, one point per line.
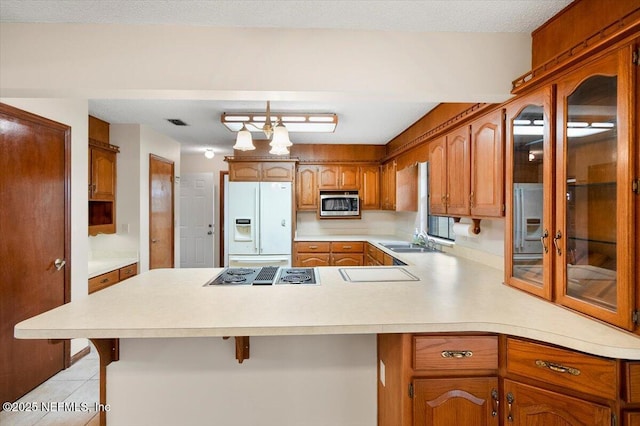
407	248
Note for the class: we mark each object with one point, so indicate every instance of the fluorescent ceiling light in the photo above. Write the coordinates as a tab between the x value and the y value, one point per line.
319	123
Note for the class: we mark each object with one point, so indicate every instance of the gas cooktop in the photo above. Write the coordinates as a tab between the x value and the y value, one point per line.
266	275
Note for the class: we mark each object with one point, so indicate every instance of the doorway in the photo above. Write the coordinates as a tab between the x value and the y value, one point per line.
35	245
196	220
161	212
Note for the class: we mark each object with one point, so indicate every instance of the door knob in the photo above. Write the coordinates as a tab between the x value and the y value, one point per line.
154	241
210	233
59	264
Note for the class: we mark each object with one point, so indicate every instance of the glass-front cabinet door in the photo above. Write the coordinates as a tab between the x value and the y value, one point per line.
594	237
529	199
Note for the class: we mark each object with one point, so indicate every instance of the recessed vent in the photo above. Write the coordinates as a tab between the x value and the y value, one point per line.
177	121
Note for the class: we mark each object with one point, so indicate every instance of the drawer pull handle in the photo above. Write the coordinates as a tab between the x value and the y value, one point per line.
346	247
456	354
557	367
495	402
313	247
104	280
510	401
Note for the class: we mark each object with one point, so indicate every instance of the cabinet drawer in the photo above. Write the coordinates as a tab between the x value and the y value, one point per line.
103	281
347	247
313	247
563	367
455	352
375	253
128	271
632	391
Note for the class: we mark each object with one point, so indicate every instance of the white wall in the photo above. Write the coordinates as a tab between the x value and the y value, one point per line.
197	163
136	142
287	381
131	61
74	113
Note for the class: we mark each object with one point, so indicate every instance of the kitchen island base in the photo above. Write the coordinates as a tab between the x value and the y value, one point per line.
289	380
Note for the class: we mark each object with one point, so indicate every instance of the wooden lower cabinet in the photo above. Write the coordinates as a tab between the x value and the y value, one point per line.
528	405
113	277
483	379
457	401
321	253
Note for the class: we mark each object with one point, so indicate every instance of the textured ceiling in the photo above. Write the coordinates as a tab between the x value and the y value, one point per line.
359	122
425	15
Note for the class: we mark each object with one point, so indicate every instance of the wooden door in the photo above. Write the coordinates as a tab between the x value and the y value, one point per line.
347	259
438	176
370	187
161	230
307	188
35	231
310	260
458	172
277	172
461	401
487	165
527	405
245	171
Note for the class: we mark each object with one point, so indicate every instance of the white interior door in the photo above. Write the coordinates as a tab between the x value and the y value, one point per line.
196	220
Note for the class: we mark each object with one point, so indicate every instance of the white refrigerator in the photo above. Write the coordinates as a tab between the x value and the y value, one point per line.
527	220
259	223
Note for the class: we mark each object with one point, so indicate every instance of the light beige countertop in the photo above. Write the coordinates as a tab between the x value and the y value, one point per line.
102	266
452	295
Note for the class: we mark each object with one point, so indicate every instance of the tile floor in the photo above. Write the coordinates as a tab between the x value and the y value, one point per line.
77	384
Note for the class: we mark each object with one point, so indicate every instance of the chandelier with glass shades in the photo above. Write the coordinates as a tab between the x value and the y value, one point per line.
275	127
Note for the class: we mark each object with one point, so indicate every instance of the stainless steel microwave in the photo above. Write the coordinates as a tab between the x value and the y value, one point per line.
339	204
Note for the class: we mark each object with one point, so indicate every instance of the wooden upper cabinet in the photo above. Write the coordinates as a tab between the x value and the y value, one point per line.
102	168
458	171
388	186
438	176
594	236
103	174
338	177
277	172
407	189
528	194
307	188
487	165
328	177
370	187
265	171
349	177
247	171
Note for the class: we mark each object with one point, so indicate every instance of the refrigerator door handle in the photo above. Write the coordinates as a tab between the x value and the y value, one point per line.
256	239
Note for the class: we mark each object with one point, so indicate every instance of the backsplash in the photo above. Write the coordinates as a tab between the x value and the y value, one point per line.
377	222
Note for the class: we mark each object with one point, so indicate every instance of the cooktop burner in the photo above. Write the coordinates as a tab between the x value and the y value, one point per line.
266	275
297	276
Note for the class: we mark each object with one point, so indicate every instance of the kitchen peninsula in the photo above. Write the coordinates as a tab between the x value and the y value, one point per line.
313	348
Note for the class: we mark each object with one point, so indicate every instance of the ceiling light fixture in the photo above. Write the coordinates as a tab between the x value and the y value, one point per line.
209	153
276	127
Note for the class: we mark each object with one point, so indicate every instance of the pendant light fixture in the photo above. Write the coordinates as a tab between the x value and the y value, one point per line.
244	141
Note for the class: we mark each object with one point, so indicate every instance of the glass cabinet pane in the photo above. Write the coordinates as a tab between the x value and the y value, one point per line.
528	130
590	183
